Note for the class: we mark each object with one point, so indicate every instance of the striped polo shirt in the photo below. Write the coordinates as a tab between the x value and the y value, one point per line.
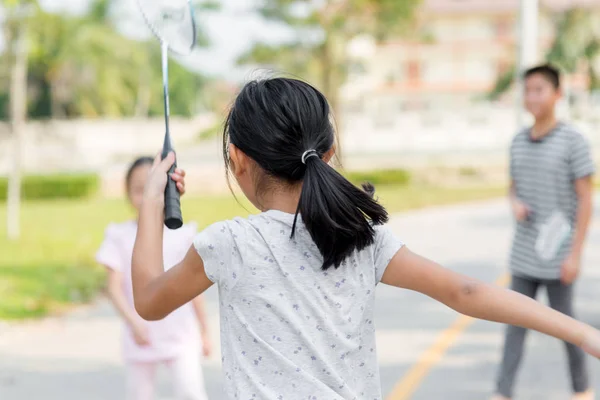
543	173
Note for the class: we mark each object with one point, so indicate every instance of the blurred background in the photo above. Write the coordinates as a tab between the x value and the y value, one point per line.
426	97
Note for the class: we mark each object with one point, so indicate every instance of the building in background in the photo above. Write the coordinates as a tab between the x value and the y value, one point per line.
461	49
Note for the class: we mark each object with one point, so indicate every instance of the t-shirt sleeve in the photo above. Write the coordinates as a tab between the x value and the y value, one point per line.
110	253
215	245
580	158
386	247
188	233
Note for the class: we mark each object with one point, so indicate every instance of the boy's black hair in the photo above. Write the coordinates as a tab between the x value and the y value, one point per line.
548	71
138	162
276	122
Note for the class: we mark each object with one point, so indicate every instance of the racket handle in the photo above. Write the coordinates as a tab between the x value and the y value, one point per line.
173	218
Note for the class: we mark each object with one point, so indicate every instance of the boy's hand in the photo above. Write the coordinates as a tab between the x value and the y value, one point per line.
520	210
570	269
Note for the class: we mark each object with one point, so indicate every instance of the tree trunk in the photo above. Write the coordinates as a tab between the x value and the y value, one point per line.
142	105
18	107
56	105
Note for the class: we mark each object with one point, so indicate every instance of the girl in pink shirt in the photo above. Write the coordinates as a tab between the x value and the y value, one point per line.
174	341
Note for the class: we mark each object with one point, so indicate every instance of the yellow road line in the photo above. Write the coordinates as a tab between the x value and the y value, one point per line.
409	383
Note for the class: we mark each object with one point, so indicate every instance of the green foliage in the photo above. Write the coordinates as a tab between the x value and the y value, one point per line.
399	177
468	171
296	58
577	39
212	132
317	52
51	266
36	187
37	289
185	86
83	66
503	83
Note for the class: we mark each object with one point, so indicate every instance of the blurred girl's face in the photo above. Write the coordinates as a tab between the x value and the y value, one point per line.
135	189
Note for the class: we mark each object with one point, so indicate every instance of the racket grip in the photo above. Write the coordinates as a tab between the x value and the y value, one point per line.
173	218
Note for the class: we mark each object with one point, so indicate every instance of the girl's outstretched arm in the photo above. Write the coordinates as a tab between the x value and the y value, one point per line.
117	297
483	301
200	311
157	293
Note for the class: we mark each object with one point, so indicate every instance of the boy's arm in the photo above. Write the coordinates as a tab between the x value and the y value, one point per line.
519	209
572	265
581	170
512	193
480	300
583	189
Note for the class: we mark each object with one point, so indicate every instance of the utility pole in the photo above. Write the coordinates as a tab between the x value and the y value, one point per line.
528	50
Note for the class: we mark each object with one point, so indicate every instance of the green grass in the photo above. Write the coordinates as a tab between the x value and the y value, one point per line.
51	267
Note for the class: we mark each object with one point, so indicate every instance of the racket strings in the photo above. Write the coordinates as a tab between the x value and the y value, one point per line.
172	22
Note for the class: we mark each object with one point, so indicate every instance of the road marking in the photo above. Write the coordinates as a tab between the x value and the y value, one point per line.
409	383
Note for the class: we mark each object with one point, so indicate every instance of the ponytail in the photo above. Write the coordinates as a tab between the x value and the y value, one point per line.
284	125
338	216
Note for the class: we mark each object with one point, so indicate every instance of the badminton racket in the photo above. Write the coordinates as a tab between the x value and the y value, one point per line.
172	22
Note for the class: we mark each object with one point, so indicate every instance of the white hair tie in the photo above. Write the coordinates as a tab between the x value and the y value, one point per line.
308	154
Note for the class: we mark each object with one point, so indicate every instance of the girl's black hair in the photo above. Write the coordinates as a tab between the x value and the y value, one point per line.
274	122
144	160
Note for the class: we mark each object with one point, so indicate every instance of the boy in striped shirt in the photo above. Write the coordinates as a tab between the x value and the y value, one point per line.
551	199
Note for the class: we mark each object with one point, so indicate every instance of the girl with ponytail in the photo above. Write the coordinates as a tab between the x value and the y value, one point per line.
297	281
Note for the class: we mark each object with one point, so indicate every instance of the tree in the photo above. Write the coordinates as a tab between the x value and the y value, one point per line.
576	43
577	39
322	31
17	24
85	66
71	66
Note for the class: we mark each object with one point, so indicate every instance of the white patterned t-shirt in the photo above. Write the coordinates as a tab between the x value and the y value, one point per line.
290	330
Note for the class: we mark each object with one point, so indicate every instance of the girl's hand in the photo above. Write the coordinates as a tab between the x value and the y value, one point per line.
141	334
206	345
157	178
179	177
591	343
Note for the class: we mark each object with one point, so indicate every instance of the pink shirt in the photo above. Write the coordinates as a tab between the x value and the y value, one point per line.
179	331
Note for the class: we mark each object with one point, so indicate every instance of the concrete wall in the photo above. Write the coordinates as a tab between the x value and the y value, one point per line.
93	144
478	137
439	133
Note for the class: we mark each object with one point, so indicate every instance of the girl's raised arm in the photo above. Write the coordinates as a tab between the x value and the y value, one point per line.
483	301
157	293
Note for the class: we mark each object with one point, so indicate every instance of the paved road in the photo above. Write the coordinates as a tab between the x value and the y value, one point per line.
77	356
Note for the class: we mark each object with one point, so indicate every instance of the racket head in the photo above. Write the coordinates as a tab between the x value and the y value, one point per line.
172	22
